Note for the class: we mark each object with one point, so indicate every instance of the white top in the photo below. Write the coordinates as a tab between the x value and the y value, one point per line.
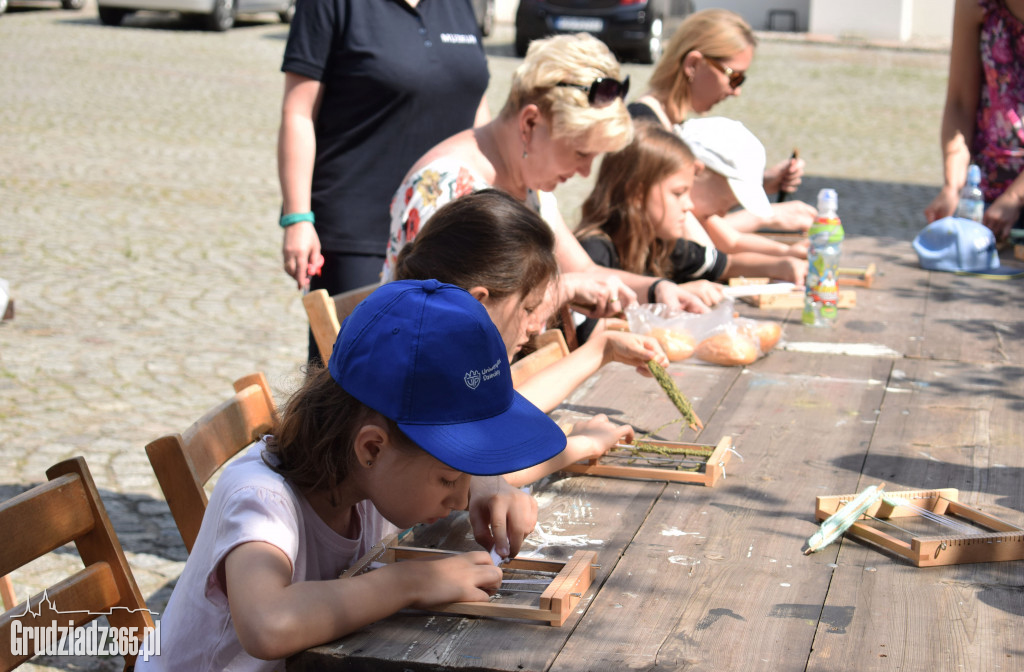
250	502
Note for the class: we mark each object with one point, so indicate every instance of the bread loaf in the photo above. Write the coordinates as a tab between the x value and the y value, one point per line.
678	345
768	333
728	348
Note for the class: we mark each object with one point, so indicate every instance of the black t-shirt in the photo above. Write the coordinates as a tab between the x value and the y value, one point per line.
396	81
689	260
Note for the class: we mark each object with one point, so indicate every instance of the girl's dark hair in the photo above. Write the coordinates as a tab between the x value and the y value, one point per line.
484	239
314	438
617	207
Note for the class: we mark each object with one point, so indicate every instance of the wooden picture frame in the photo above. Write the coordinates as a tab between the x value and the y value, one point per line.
1001	541
615	464
565	583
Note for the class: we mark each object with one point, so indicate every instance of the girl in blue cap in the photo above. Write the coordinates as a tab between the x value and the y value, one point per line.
417	397
502	253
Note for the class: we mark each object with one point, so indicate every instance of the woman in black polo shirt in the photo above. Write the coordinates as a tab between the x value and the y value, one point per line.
369	87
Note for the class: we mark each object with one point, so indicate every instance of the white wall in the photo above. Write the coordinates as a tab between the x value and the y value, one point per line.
892	20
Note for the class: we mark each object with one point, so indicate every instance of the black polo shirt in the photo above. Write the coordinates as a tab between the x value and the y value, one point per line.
396	81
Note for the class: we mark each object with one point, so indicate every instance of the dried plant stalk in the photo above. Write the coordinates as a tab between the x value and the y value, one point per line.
674	395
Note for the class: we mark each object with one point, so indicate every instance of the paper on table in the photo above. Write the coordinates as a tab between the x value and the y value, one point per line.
734	291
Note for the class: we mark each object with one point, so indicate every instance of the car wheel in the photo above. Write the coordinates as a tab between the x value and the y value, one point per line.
222	17
72	4
652	50
487	20
288	14
112	16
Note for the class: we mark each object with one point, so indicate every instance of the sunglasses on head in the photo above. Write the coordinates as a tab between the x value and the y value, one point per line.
603	91
736	78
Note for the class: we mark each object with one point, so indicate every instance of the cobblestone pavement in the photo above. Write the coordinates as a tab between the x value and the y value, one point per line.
138	206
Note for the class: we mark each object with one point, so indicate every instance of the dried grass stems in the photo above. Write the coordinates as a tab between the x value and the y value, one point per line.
674	395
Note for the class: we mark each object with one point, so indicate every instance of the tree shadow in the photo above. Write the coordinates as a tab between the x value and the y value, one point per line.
143	524
873	208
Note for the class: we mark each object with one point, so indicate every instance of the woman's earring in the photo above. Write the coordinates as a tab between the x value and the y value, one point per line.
525	153
369	463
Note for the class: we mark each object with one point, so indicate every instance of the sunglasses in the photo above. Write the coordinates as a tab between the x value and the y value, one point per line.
603	91
736	78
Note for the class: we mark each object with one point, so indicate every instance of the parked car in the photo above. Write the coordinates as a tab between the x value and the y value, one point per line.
64	4
633	29
212	14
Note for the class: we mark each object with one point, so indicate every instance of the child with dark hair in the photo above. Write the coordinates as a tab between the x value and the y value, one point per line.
502	253
417	397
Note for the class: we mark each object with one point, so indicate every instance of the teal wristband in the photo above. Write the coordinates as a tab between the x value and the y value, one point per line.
295	218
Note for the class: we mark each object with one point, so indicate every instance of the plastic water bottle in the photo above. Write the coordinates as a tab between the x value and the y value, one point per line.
821	298
972	203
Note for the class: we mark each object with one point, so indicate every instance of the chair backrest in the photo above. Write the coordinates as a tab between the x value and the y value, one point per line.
326	313
551	347
183	463
34	523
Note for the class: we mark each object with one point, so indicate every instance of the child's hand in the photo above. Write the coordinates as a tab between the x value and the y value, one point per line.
502	516
595	294
790	269
632	349
799	249
705	290
467	577
595	437
792	216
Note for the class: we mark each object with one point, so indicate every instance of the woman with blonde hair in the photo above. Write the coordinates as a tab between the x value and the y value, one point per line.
565	107
705	62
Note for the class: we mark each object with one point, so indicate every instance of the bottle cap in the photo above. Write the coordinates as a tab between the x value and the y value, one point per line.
973	174
828	200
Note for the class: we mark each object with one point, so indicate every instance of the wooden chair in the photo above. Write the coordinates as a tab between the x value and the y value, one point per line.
551	347
327	312
68	508
183	463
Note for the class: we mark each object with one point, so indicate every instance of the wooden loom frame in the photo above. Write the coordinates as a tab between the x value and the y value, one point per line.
714	468
1006	542
573	577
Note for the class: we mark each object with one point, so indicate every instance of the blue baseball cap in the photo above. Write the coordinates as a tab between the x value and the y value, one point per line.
959	245
426	355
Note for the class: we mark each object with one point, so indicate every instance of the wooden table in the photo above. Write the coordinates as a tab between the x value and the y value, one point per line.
702	578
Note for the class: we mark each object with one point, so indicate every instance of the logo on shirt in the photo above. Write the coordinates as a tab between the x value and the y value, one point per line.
458	38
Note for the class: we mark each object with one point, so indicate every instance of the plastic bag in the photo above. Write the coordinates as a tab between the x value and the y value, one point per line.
715	337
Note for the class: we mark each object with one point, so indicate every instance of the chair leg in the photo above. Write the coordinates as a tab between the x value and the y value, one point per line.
7	592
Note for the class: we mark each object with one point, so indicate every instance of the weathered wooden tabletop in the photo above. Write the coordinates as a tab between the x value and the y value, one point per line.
703	578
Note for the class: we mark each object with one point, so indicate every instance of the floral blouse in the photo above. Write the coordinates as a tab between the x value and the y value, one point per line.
425	191
998	130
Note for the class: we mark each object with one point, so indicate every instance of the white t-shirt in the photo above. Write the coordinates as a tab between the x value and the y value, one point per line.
250	502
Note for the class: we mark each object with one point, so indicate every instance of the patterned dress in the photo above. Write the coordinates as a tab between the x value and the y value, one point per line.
998	146
429	188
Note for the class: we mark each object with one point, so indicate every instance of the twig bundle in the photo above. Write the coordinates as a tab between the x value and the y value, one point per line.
674	395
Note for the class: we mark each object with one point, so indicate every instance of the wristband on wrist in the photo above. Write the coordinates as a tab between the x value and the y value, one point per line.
295	218
650	290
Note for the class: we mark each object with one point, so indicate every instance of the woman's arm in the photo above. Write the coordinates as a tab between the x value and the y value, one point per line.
731	241
962	93
1005	210
296	151
275	618
483	113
